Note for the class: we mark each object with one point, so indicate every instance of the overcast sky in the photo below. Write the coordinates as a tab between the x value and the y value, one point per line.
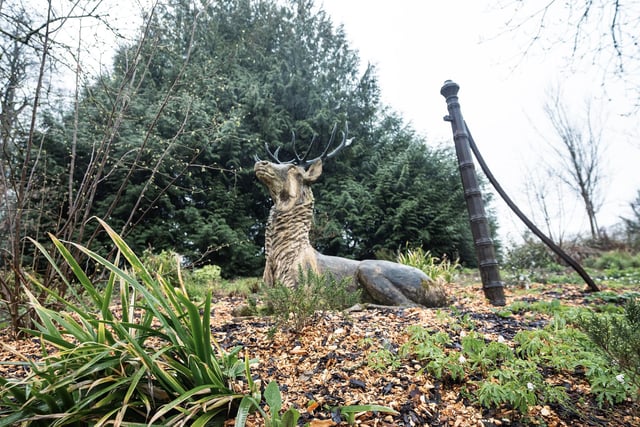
417	45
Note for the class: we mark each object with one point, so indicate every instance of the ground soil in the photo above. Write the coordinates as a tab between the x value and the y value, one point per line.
324	365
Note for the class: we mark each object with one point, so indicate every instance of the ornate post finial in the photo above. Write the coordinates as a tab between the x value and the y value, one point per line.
449	89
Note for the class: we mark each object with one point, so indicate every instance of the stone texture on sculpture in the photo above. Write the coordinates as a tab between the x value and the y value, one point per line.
287	245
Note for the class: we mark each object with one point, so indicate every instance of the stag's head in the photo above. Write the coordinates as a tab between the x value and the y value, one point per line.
288	181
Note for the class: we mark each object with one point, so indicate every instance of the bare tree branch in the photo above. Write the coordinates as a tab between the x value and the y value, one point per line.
602	32
28	57
579	155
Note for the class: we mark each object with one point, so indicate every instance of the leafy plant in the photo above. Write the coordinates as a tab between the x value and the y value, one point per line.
609	301
430	347
153	362
202	281
441	270
528	262
484	357
533	343
166	264
206	276
273	399
351	411
545	307
501	375
519	385
383	360
608	387
617	337
448	366
614	260
313	293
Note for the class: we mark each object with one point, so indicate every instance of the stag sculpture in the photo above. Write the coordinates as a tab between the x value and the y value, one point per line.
288	249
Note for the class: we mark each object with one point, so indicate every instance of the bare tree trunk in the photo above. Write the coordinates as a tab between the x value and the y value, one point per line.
539	189
23	169
579	151
23	189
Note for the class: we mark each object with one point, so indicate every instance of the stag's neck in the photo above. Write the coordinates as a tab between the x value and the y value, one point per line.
287	246
288	230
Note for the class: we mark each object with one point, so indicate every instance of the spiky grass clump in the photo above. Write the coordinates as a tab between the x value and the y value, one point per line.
152	363
440	270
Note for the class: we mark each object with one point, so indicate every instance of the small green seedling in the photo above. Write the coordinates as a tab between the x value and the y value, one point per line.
273	399
351	411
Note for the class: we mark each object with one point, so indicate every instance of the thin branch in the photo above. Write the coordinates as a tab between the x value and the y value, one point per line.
583	19
74	138
614	27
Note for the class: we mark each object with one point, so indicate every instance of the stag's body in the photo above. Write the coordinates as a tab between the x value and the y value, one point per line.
287	245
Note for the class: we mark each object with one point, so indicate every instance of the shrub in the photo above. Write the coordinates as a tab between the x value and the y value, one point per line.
530	254
155	362
614	260
202	282
166	264
314	292
618	338
531	261
206	276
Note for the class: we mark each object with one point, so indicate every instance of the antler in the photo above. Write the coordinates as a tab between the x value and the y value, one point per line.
344	143
302	160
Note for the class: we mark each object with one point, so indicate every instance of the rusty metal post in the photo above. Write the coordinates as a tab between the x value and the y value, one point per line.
491	284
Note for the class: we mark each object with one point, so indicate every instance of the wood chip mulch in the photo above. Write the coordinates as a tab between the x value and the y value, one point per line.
324	365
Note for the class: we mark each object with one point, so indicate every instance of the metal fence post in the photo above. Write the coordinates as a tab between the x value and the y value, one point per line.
491	284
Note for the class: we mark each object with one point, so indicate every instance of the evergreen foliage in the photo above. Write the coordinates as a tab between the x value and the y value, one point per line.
315	293
180	117
618	337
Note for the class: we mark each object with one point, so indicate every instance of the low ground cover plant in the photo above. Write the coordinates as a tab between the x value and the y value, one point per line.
617	336
495	374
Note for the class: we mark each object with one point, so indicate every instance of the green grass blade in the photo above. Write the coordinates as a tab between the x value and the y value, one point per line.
203	420
134	382
105	309
13	419
126	251
247	404
197	333
127	300
220	400
206	325
78	271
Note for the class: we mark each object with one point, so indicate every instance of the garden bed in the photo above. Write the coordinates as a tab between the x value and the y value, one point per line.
386	357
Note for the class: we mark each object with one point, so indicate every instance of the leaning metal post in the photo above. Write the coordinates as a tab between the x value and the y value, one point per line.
491	284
